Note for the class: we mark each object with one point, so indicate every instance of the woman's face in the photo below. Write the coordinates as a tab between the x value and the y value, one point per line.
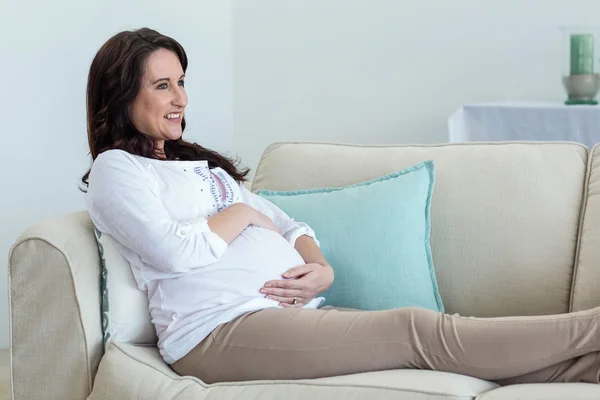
157	111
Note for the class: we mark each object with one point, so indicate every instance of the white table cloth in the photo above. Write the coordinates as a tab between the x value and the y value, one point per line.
525	121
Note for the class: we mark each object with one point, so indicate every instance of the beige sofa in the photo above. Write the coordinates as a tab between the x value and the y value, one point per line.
515	231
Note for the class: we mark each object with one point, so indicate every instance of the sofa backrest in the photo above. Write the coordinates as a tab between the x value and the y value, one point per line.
586	274
505	216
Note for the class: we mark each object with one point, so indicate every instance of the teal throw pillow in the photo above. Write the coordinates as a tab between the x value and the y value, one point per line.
375	235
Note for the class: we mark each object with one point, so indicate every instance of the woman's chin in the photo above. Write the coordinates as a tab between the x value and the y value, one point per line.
175	135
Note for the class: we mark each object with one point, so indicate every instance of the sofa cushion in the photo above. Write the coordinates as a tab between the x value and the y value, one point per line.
135	372
545	391
376	235
125	311
504	217
586	281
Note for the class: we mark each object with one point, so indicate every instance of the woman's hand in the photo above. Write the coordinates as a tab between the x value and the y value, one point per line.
232	221
260	219
301	285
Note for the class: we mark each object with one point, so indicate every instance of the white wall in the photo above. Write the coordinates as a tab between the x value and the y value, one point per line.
361	71
45	52
388	71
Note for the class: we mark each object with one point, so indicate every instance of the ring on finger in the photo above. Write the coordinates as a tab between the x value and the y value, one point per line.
295	301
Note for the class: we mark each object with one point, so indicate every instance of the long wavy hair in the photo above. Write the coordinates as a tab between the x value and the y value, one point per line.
114	82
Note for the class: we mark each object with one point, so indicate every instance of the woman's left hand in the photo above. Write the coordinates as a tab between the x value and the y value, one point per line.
301	285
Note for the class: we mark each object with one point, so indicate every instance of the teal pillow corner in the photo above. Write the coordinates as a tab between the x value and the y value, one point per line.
376	236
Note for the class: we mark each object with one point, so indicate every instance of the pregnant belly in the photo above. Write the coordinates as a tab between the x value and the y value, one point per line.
256	256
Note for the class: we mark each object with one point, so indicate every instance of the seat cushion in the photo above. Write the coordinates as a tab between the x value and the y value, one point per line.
545	391
135	372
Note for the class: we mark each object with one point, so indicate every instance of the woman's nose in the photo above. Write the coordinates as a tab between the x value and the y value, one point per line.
179	97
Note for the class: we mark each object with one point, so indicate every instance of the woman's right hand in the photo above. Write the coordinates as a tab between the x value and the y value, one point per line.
232	221
260	219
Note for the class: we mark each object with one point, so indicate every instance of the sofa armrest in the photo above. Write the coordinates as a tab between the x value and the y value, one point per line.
54	301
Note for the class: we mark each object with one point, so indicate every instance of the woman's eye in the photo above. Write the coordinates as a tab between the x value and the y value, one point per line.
181	83
162	86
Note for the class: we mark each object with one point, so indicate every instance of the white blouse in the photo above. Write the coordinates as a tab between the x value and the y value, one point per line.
156	211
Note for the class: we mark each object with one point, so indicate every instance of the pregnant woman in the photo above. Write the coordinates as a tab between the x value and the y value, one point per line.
233	282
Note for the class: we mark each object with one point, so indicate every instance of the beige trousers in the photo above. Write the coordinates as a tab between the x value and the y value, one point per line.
304	343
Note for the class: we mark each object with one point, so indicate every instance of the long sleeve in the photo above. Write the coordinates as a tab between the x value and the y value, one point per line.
289	228
123	201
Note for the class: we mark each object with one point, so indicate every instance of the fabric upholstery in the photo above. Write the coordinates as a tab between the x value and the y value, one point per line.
138	373
541	391
504	216
586	282
54	289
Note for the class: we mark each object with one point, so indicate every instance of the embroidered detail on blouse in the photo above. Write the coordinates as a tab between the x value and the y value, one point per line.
228	198
222	200
202	172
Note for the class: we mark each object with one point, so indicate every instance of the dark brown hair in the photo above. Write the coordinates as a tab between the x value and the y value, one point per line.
113	84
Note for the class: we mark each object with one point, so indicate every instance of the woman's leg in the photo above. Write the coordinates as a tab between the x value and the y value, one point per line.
579	369
305	343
